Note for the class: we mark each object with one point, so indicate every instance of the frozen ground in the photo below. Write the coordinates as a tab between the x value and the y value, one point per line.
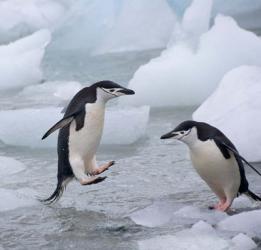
146	202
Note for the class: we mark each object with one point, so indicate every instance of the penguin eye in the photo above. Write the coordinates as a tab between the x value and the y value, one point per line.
182	132
111	90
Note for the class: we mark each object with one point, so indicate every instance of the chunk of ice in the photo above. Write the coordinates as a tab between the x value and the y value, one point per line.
20	61
245	222
183	76
243	242
235	108
200	236
25	127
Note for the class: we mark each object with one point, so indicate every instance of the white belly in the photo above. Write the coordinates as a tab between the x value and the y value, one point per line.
84	142
222	175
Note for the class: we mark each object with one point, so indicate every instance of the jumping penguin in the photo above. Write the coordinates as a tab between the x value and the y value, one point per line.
216	160
80	134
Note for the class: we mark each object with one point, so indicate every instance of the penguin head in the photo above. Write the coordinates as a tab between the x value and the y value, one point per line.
186	132
107	90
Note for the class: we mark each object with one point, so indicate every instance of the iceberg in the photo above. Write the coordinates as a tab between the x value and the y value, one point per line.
20	61
235	108
25	127
132	29
185	74
21	18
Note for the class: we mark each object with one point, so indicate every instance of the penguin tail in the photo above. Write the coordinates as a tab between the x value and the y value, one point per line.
57	194
252	195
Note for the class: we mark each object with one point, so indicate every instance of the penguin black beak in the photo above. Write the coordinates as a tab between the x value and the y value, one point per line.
169	135
126	91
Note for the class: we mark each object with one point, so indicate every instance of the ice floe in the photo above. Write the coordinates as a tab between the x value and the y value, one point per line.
25	127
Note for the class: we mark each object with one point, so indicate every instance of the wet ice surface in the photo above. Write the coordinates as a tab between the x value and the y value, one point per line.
149	197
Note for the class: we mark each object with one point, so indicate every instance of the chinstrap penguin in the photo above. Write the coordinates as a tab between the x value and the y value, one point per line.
216	160
80	134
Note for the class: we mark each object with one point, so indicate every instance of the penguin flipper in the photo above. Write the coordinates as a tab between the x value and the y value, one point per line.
62	123
235	152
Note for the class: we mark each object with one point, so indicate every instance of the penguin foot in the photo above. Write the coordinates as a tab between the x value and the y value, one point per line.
92	180
218	205
103	168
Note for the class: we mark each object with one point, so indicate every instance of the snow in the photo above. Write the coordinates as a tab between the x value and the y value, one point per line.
235	108
186	75
14	199
245	222
128	33
25	127
9	166
20	61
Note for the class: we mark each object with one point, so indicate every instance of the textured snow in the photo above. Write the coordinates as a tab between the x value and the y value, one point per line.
185	75
14	199
25	127
20	61
235	108
9	166
245	222
129	33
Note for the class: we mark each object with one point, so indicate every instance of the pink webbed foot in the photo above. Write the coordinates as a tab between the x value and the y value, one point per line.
91	180
218	205
103	168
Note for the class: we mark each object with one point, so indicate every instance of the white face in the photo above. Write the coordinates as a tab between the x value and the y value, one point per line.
113	92
187	136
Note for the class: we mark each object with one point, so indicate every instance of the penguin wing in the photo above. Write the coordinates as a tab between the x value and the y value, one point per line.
62	123
66	121
225	146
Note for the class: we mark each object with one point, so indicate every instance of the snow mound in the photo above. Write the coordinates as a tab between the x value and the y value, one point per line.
235	108
9	166
128	33
25	127
186	75
14	199
20	61
245	222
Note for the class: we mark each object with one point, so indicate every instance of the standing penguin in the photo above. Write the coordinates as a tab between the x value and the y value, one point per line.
216	160
80	134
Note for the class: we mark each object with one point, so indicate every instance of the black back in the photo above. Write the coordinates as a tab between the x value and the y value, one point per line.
208	132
